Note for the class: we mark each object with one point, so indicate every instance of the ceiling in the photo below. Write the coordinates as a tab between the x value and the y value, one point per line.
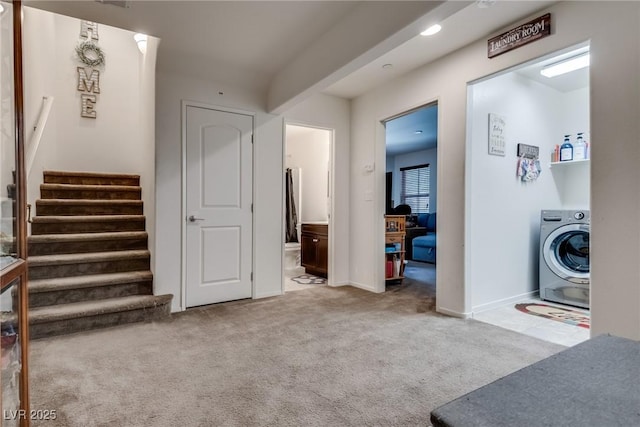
574	80
477	23
247	43
401	132
415	131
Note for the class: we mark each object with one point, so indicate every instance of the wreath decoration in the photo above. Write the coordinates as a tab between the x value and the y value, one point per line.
90	54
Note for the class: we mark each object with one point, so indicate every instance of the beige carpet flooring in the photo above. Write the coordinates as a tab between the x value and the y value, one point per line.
321	357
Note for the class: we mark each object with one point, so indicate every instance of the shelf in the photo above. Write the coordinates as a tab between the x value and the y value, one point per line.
11	273
569	162
394	239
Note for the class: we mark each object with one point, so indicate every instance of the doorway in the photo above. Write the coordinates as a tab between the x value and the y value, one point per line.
506	192
411	141
308	204
218	205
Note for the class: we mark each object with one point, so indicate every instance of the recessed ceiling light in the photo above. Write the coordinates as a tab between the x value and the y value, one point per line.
418	132
387	66
566	66
434	29
483	4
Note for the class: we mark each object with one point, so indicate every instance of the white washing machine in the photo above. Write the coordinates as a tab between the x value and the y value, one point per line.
564	256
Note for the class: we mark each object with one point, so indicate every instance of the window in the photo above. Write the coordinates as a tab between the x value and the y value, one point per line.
415	188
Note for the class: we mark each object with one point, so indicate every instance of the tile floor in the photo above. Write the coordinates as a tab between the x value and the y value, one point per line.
290	285
546	329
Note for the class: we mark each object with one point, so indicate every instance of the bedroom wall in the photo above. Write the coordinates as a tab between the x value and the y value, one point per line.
414	158
615	107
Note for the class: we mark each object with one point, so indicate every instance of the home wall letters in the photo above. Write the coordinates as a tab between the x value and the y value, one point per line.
91	55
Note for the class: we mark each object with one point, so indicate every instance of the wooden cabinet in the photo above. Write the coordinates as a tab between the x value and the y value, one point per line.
394	254
14	320
315	248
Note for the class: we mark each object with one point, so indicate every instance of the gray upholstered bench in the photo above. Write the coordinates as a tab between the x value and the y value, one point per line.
595	383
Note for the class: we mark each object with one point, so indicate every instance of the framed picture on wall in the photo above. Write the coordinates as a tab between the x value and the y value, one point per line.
497	125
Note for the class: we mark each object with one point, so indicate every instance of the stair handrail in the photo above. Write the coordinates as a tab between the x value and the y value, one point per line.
34	142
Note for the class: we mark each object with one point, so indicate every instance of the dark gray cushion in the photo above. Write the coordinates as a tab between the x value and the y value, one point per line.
595	383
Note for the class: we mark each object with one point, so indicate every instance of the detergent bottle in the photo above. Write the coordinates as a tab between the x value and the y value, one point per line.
566	150
580	148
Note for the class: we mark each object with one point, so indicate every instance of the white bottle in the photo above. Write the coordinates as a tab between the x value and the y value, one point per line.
580	148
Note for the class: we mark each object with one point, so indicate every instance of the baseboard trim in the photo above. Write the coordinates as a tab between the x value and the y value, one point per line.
338	284
452	313
364	287
501	303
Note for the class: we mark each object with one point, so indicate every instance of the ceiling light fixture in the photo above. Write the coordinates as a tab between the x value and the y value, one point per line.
141	40
483	4
566	66
434	29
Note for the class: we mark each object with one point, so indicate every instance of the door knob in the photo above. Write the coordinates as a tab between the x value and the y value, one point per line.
194	219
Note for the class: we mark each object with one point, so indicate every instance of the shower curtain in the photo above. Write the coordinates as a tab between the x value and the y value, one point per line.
292	216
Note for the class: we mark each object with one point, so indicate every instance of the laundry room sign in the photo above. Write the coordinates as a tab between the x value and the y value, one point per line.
519	36
92	57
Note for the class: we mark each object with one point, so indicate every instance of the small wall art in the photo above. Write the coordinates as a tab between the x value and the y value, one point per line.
497	126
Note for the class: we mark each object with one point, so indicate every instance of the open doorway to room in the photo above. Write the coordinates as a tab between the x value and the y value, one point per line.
527	196
307	207
411	192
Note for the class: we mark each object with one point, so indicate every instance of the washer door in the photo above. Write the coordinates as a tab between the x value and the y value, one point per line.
566	252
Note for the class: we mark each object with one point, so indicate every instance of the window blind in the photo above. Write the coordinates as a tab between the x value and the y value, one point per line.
415	187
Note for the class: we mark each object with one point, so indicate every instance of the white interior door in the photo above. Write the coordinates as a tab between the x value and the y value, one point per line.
219	167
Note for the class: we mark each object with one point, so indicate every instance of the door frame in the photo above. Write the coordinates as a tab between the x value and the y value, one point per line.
332	163
380	159
183	188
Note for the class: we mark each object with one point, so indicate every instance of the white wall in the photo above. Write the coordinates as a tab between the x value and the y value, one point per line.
415	158
308	149
7	118
503	213
121	138
574	181
615	108
268	177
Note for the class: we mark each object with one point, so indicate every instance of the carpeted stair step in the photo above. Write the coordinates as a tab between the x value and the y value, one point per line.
51	244
104	192
84	207
66	265
90	178
65	290
86	224
82	316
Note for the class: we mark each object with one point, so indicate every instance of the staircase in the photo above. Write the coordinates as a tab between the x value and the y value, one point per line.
88	255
